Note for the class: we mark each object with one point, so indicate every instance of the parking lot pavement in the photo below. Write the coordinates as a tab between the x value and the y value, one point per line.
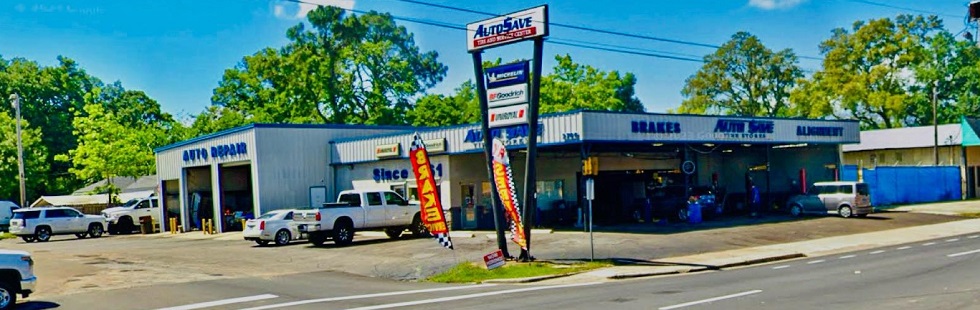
66	265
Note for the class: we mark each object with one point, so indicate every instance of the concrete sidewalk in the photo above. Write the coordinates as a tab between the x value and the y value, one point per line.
963	207
765	254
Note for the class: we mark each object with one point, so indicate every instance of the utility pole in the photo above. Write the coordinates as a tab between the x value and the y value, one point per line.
15	101
935	123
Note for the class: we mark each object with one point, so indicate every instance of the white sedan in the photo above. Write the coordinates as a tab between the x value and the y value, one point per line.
274	226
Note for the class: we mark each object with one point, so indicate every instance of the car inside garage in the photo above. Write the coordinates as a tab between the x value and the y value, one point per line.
235	186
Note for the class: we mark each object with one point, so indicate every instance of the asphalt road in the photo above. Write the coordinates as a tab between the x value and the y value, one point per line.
937	274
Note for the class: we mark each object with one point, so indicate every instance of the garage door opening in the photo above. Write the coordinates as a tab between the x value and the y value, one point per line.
170	197
235	186
199	201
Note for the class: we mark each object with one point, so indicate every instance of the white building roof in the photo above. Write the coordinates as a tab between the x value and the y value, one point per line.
905	138
81	200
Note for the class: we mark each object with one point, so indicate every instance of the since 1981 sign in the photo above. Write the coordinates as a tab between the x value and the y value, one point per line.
510	28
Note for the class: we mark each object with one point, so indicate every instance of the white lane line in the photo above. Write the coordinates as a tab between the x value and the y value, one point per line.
816	262
698	302
847	256
963	253
952	240
222	302
781	267
312	301
928	243
445	299
905	248
878	252
973	237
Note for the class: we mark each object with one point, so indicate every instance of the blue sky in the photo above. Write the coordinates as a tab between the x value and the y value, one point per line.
176	51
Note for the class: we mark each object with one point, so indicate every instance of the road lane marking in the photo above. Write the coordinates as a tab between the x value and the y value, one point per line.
312	301
815	262
878	252
973	237
222	302
905	248
452	298
963	253
698	302
847	256
781	267
952	240
928	243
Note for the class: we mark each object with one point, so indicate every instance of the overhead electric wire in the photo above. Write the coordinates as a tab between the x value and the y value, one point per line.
619	33
556	41
885	5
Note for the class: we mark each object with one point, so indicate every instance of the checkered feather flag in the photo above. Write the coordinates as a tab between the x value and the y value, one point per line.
432	215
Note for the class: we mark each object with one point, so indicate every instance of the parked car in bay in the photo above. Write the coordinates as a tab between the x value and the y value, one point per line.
39	224
16	277
124	218
278	226
6	212
844	198
673	202
362	210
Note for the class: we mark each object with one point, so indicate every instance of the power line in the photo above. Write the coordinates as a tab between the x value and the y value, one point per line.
576	27
885	5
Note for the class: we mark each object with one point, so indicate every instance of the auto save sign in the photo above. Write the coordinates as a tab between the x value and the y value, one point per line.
509	28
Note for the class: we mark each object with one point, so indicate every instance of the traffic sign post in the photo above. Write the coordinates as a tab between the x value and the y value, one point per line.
590	195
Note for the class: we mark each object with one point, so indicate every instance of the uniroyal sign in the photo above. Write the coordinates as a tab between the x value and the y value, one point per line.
507	95
506	116
509	74
509	28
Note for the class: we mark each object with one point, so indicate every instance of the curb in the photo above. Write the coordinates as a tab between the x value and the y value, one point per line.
655	273
762	260
531	279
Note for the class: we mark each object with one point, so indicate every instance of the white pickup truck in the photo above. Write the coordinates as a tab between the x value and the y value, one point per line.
362	210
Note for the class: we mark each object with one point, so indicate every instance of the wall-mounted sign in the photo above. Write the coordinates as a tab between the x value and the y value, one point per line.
385	174
742	129
824	131
506	116
388	150
218	152
509	74
433	146
510	28
507	95
655	127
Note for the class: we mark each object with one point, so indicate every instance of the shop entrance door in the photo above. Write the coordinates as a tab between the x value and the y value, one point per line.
468	192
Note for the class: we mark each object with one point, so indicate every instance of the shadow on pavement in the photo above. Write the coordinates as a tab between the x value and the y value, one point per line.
716	223
37	305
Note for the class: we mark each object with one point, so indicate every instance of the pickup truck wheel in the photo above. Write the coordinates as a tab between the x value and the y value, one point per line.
282	237
343	233
95	230
28	239
81	235
125	226
43	234
418	229
394	233
8	297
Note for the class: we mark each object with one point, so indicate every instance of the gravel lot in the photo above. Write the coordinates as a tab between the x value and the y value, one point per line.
66	265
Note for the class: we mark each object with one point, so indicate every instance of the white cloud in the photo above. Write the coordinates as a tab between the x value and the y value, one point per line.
280	11
305	8
774	4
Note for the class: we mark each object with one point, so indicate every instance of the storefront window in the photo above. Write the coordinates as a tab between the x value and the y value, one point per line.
550	192
412	192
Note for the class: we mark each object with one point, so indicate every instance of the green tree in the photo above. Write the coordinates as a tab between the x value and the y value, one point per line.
743	77
215	119
949	71
463	107
361	69
35	169
573	86
868	72
109	146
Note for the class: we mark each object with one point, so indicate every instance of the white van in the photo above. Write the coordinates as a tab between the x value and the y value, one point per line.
6	212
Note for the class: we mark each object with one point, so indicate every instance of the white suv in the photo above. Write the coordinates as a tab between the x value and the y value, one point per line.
16	277
39	224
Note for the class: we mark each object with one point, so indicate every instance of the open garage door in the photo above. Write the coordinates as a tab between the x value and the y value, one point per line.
235	185
199	202
170	197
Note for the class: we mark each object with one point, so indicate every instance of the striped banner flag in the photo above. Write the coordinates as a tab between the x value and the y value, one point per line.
432	216
503	179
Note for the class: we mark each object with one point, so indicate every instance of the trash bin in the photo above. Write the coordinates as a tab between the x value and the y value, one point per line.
694	213
146	224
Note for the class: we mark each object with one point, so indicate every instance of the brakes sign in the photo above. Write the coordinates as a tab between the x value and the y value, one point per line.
513	27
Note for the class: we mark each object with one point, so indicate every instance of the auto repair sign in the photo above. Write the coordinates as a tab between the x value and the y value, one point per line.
509	28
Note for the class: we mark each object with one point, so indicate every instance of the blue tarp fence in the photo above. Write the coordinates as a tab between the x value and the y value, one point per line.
898	185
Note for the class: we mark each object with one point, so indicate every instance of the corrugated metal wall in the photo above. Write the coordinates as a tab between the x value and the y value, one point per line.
171	161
